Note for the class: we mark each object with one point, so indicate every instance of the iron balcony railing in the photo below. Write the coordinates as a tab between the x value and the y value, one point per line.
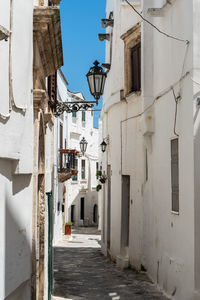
67	160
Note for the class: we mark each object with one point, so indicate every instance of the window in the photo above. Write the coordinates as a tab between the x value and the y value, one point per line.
135	68
132	59
75	177
175	175
74	114
82	206
83	116
83	169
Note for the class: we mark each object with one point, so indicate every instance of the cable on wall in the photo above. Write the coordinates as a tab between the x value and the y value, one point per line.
155	27
176	111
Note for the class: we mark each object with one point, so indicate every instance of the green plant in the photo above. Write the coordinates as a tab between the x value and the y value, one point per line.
69	223
98	173
98	187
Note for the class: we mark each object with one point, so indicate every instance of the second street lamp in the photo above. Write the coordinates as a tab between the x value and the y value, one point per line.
83	145
96	79
103	146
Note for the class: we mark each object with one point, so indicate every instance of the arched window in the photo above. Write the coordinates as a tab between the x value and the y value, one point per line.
95	214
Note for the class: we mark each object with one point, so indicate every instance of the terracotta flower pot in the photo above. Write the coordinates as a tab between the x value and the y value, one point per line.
74	172
68	229
64	150
102	180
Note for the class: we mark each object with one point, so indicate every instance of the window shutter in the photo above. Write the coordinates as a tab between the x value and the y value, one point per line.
175	175
74	114
83	116
136	68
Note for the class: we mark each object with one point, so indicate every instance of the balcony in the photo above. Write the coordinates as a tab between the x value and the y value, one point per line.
67	164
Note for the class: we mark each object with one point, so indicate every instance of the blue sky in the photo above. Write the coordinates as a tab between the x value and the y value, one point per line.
81	23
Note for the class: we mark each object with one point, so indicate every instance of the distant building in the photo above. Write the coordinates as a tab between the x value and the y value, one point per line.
77	194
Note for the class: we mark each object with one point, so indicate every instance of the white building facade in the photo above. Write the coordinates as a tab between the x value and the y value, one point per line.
26	159
77	194
16	149
150	201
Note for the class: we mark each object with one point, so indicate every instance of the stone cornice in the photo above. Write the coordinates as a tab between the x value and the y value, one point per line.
39	97
131	33
47	34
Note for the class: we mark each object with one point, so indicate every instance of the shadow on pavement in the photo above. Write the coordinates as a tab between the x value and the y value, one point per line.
84	273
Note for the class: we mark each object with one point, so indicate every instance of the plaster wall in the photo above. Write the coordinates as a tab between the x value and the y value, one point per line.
16	232
16	150
122	154
169	261
157	235
16	110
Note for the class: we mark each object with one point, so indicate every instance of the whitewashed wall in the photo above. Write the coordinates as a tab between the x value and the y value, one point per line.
16	150
157	238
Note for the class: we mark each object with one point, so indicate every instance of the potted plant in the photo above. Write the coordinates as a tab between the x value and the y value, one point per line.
74	171
98	187
68	228
98	173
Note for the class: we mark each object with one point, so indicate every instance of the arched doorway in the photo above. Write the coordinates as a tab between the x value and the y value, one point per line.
95	214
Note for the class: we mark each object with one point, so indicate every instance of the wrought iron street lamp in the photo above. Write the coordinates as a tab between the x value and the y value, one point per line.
83	145
103	146
96	79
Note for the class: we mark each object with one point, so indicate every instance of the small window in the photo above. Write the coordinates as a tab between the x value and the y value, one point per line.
83	169
175	175
132	59
83	116
75	177
74	114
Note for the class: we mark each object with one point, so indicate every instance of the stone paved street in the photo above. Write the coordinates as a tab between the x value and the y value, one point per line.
82	272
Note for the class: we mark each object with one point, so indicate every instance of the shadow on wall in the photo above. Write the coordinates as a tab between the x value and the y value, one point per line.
17	233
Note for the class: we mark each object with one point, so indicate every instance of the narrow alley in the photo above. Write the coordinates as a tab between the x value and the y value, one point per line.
82	272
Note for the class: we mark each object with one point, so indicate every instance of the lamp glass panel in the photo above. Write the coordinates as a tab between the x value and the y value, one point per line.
103	83
98	79
91	83
84	147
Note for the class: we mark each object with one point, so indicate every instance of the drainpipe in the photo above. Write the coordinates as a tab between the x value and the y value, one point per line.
50	238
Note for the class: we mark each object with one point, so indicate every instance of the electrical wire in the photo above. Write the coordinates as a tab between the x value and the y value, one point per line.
176	111
157	98
155	27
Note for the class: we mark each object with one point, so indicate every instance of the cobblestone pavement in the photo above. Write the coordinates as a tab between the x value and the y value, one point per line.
82	272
